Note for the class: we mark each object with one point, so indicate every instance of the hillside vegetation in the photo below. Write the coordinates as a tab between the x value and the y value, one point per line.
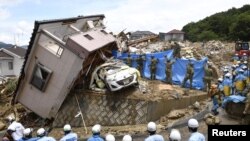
230	25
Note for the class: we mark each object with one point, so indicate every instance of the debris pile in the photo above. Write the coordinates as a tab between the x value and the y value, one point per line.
211	119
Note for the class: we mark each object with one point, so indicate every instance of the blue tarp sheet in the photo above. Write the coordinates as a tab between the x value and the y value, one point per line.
178	68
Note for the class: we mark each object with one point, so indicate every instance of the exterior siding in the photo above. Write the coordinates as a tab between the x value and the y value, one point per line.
4	70
17	65
63	69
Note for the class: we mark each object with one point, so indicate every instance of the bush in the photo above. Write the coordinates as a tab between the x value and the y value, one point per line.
10	86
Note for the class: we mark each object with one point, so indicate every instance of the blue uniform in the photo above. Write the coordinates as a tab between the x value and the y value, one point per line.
196	136
155	137
45	138
69	137
227	82
240	77
95	138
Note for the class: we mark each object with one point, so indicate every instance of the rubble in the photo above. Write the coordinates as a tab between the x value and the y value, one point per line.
211	119
175	114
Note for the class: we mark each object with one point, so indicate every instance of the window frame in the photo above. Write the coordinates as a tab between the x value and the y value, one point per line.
10	65
42	67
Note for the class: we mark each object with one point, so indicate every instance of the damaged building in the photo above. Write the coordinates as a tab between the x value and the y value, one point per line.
59	56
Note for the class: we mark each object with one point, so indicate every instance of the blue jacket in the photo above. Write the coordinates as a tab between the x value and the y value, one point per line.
196	136
155	137
69	137
227	82
95	138
45	138
240	77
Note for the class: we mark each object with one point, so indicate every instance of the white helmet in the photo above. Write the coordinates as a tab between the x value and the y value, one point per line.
244	54
244	67
151	127
193	123
110	137
175	135
245	62
220	79
96	128
67	127
27	131
228	75
225	70
226	67
241	70
41	132
127	138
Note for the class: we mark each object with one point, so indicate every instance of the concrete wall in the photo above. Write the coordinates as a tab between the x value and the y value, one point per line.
177	37
110	110
64	70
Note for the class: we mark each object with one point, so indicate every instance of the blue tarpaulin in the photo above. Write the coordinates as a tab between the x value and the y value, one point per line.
178	68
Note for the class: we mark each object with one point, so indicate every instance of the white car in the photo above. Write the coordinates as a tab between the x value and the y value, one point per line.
116	75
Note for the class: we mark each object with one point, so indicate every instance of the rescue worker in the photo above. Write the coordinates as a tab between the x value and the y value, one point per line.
177	50
220	87
225	71
175	135
151	128
189	75
193	127
110	137
236	58
41	133
227	88
227	85
27	135
207	77
247	104
240	82
129	60
216	98
140	60
96	129
15	129
68	134
153	67
127	138
168	70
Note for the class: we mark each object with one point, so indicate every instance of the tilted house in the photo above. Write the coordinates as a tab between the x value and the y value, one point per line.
11	61
60	54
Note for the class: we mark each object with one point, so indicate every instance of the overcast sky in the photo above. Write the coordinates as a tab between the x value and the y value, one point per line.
17	16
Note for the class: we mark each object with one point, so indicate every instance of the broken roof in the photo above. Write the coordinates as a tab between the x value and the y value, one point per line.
175	31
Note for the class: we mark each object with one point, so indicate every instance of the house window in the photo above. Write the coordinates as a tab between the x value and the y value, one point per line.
10	64
40	77
88	37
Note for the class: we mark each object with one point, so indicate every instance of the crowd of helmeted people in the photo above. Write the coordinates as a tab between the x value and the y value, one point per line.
233	84
17	132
